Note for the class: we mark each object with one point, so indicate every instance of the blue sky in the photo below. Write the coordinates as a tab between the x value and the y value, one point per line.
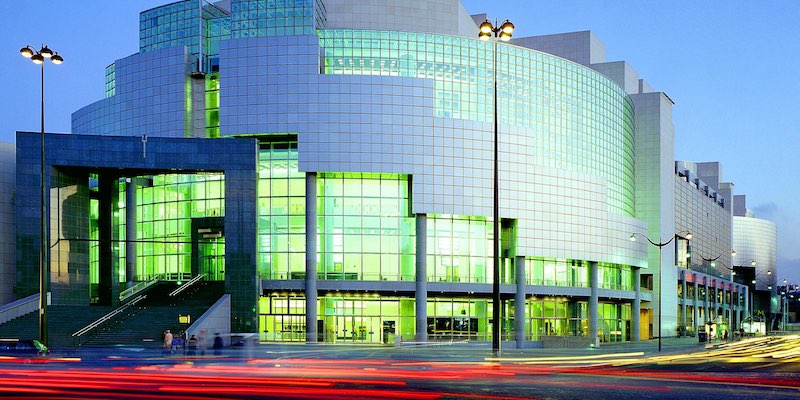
731	68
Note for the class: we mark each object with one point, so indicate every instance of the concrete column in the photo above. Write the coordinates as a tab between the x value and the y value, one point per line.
108	285
734	310
683	304
694	308
636	307
745	303
130	232
421	296
705	302
519	302
311	257
714	302
593	303
726	307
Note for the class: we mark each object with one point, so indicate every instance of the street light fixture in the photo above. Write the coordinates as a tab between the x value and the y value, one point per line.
503	32
38	57
660	245
713	262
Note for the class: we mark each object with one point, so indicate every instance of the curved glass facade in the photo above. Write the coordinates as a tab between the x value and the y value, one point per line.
578	119
756	240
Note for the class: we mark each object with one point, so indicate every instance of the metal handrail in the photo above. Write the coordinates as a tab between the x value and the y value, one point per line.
186	285
129	292
107	317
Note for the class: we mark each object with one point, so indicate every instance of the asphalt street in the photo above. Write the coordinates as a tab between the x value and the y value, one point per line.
759	368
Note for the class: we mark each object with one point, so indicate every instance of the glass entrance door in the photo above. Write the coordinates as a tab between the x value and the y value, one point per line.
358	329
211	258
284	328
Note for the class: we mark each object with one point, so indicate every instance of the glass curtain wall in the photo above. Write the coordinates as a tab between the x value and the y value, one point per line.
614	322
450	318
575	273
282	317
459	249
614	276
94	241
365	228
94	250
538	90
258	18
212	105
365	318
165	212
281	213
556	272
554	316
341	319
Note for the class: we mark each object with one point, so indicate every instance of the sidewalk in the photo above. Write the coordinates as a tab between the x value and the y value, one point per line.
429	351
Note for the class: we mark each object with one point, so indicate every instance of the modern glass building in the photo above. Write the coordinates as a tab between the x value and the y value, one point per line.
331	161
756	264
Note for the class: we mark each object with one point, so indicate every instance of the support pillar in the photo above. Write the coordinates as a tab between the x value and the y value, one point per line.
130	232
694	303
714	302
519	302
747	304
593	304
705	303
421	295
636	307
734	309
311	257
108	286
683	304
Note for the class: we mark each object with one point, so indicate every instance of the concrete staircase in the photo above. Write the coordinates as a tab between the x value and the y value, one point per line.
24	327
146	321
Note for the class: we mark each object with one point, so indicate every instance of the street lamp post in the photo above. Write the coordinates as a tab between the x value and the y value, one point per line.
770	282
784	306
503	32
737	280
38	57
713	263
660	246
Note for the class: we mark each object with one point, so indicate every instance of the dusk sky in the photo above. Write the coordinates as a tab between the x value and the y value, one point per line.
730	67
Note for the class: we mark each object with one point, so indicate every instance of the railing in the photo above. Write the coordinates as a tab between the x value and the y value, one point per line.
186	285
169	276
20	307
76	337
139	287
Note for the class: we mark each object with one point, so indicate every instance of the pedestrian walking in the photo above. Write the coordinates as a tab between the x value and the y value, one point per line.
167	342
202	342
218	344
192	345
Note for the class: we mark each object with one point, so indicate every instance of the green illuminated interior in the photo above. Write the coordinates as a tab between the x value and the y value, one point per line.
459	249
94	249
212	105
365	227
553	316
281	212
376	319
165	212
